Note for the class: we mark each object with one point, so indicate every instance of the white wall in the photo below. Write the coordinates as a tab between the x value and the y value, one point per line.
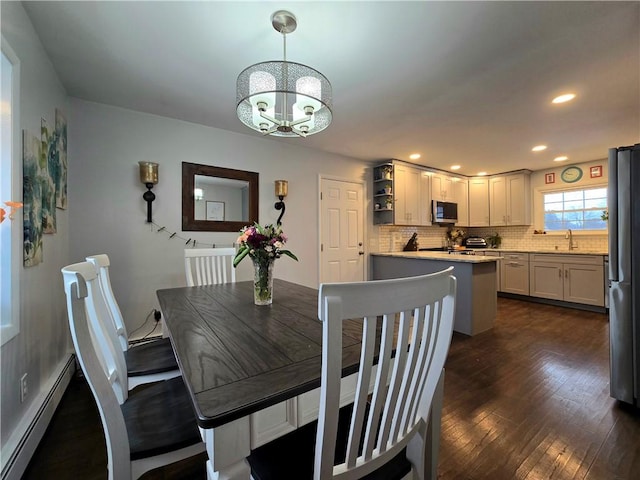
107	213
43	341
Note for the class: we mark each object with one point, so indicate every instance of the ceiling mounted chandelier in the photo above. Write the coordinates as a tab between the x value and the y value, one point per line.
281	98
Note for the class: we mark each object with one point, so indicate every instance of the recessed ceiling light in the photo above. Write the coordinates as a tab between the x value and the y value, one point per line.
539	148
564	98
561	158
455	167
481	174
414	156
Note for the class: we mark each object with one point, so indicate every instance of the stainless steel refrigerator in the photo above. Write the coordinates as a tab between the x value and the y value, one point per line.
624	273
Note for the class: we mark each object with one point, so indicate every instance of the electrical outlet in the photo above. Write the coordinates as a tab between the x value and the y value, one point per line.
24	388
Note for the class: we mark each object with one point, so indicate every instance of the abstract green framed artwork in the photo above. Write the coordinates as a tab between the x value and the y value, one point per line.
49	169
33	173
60	179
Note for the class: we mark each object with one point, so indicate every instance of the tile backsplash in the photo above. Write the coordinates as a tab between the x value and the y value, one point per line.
386	238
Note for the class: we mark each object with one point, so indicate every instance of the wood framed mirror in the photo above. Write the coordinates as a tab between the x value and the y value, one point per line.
216	199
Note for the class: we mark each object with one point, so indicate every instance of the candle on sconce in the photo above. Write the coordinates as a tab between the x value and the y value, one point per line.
282	187
148	172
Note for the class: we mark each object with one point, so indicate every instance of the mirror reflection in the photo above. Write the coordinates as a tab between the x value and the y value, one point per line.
216	199
221	199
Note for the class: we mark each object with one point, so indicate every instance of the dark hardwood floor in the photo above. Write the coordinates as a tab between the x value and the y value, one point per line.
527	400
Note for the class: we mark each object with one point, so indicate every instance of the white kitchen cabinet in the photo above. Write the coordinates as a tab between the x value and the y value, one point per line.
424	206
442	188
479	202
515	273
510	199
546	280
410	197
461	195
570	278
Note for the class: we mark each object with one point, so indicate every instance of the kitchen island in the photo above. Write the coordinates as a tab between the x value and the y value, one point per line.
476	299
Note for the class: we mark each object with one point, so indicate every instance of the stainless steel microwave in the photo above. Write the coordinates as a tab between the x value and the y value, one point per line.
444	212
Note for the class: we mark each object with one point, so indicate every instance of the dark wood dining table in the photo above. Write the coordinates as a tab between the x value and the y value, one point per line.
252	372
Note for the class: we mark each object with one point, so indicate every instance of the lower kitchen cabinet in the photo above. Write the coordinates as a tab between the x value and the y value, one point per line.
570	278
489	253
514	273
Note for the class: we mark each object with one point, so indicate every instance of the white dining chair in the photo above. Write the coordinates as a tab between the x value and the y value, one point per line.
209	266
395	435
145	428
145	362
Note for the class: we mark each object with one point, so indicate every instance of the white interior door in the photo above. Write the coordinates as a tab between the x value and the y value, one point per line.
341	231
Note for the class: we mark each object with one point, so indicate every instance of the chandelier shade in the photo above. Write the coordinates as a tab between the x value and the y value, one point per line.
281	98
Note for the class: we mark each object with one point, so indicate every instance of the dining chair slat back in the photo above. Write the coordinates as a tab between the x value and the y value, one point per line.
101	262
85	305
209	266
419	313
126	416
145	363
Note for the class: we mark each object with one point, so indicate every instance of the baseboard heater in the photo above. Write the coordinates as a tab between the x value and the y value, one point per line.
25	439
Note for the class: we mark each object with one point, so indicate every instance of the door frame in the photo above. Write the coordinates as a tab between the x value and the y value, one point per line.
365	221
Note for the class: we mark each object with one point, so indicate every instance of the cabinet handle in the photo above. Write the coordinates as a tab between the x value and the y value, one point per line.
559	273
566	274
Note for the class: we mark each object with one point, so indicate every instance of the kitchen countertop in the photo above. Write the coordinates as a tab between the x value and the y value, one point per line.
442	256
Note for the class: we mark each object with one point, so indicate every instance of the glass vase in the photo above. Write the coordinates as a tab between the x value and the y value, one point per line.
263	282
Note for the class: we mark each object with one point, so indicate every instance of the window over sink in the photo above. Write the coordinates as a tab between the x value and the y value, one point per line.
577	209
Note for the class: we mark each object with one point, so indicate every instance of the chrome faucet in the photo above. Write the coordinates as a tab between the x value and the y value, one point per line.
569	235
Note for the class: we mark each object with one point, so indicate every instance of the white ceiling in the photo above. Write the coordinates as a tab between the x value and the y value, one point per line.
459	82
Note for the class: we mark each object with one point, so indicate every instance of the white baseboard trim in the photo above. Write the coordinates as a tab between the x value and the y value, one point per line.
22	443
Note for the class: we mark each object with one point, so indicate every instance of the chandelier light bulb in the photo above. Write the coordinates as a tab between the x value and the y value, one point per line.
298	114
261	89
308	89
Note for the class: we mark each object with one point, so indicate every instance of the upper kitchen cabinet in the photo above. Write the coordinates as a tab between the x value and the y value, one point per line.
401	195
510	199
461	197
442	188
412	195
479	202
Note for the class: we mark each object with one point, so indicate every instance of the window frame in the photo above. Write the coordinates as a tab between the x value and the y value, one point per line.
10	327
539	217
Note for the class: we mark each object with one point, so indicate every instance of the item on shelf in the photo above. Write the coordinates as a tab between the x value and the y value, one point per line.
386	170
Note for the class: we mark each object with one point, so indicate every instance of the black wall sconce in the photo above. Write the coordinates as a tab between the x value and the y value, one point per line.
282	187
148	176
